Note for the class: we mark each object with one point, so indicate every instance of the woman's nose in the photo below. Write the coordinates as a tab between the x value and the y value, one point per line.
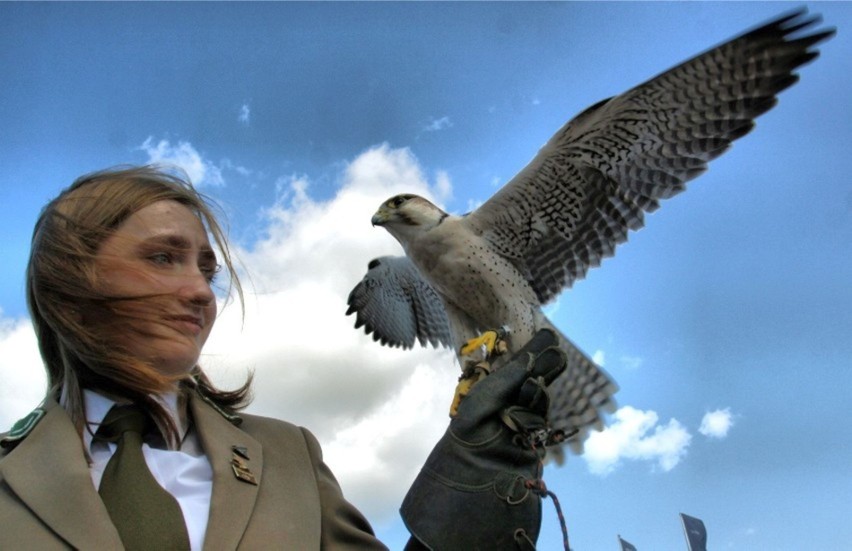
196	288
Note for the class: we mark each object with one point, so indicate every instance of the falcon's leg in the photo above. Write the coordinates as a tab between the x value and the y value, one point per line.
471	375
491	340
476	371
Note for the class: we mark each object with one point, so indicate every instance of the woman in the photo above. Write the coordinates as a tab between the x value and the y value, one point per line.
119	289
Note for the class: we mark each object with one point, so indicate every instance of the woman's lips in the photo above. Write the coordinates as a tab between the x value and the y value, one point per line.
191	324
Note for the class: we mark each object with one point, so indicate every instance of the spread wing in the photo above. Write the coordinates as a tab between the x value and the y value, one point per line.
396	305
595	179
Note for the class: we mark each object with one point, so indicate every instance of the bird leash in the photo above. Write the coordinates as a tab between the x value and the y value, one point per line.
537	485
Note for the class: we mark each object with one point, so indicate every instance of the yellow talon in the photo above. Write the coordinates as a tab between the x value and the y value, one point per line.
462	389
475	371
488	339
472	375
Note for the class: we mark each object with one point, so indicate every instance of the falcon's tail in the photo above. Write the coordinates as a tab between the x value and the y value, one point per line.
579	396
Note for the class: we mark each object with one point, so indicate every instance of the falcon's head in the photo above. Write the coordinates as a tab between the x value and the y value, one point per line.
406	216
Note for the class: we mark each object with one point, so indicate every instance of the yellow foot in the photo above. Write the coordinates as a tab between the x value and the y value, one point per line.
488	339
472	375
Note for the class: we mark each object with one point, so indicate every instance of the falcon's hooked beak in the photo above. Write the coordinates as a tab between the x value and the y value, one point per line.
381	217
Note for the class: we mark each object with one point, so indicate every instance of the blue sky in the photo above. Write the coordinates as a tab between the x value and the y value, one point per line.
300	118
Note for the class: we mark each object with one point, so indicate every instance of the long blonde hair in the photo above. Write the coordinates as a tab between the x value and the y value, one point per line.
61	284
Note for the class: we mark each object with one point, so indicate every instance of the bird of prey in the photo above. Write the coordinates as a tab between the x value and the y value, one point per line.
570	207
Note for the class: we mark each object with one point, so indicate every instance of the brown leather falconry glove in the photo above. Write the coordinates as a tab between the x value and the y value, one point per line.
474	490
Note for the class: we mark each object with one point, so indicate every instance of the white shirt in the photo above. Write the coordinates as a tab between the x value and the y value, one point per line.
185	473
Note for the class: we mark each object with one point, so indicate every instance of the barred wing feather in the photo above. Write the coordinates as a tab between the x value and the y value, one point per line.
596	178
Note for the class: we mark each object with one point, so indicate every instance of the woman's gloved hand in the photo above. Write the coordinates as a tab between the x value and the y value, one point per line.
474	491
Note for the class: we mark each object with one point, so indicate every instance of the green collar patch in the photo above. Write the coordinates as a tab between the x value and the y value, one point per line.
233	418
22	428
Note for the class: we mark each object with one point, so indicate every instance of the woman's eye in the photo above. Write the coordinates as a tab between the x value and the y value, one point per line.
210	272
160	258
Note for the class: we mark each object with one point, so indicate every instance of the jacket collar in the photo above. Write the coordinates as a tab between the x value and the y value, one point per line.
237	459
49	473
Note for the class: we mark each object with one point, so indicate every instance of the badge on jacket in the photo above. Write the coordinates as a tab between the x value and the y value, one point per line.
22	428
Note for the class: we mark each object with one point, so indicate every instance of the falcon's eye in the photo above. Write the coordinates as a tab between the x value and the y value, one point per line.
397	201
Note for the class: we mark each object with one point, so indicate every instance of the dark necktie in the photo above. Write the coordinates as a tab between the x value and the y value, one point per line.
146	515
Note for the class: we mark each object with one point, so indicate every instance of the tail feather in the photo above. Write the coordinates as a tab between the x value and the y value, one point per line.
580	396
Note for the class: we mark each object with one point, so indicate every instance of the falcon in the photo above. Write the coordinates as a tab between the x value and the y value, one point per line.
586	189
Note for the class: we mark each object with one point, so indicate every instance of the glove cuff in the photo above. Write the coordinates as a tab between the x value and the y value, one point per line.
503	513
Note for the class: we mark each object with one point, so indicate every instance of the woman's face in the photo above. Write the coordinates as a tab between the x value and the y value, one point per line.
161	255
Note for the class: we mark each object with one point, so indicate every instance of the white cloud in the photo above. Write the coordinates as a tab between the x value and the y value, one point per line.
201	172
229	165
443	186
636	435
438	124
599	357
716	424
376	411
21	370
245	114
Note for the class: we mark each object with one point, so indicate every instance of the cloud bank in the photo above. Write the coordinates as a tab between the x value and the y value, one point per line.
24	380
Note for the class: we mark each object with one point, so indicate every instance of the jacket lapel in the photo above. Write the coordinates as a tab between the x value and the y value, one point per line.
237	461
49	473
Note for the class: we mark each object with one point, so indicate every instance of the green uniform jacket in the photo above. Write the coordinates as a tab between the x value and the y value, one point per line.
48	501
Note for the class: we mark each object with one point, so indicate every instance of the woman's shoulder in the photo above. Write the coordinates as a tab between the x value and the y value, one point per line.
251	421
283	437
260	426
267	430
